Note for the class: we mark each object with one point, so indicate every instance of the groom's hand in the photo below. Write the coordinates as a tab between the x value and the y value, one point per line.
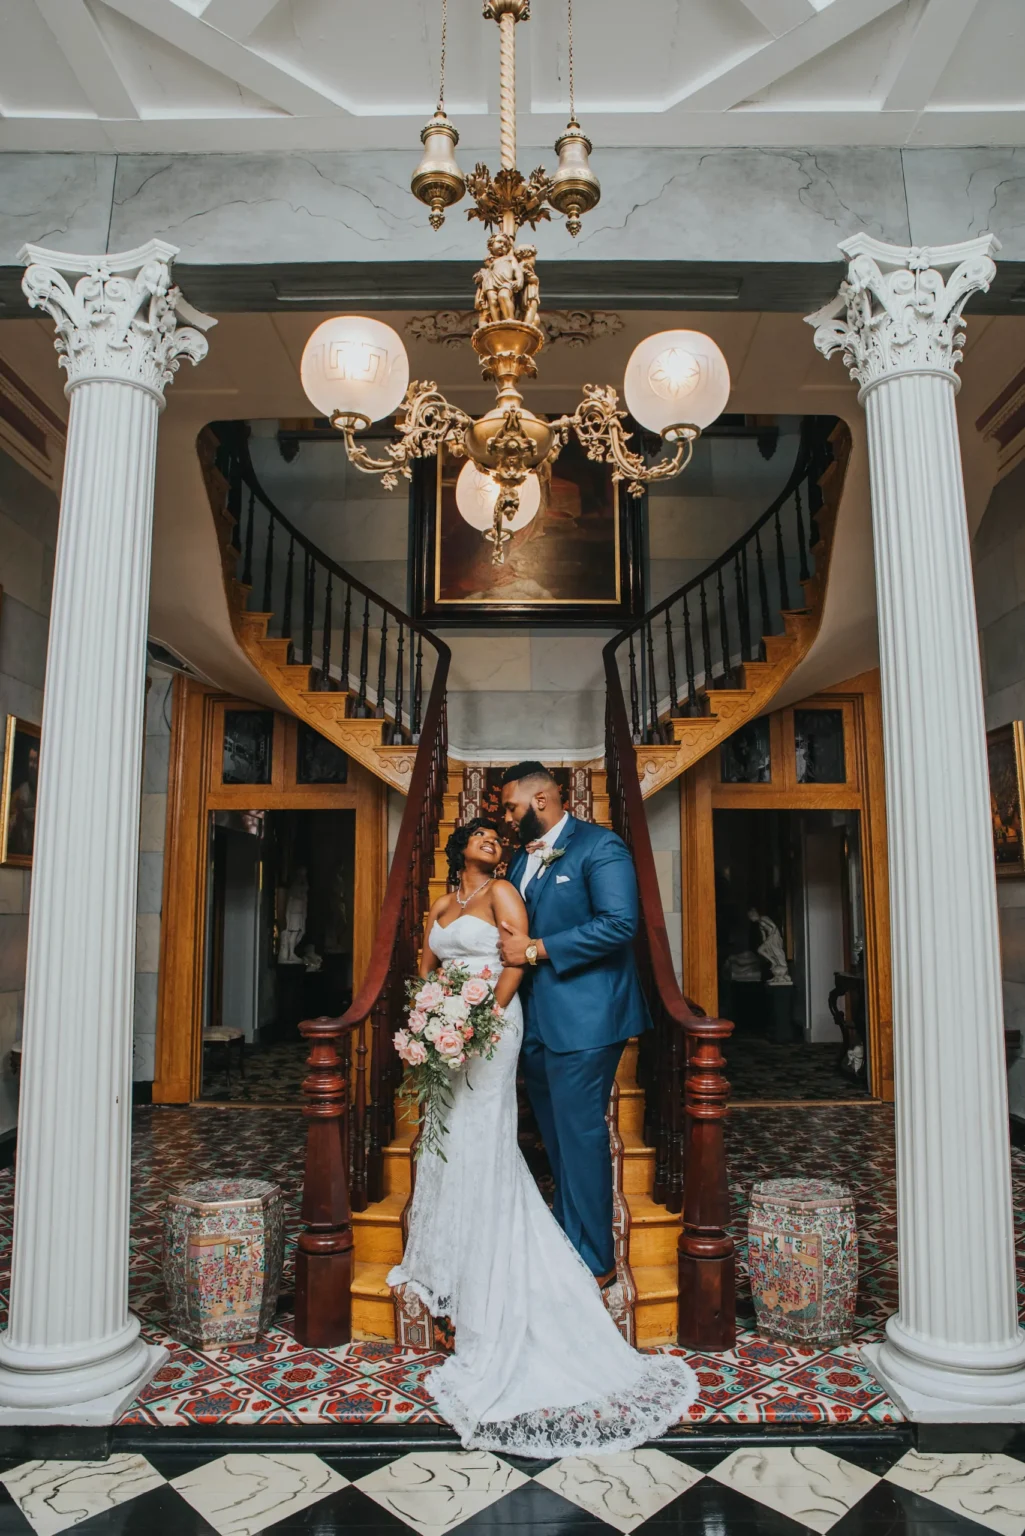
512	946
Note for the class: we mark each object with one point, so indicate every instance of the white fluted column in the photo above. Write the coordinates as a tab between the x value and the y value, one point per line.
954	1349
72	1350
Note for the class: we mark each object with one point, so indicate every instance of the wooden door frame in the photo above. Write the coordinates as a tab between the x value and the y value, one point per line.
195	789
702	793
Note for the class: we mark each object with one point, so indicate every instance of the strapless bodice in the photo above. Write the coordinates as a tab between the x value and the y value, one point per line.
470	940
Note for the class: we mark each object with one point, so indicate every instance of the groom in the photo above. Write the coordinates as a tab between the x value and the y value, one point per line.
581	993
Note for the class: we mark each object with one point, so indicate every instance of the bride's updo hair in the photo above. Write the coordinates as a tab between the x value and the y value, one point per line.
455	848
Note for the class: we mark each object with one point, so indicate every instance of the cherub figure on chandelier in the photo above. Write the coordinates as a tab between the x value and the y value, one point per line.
507	284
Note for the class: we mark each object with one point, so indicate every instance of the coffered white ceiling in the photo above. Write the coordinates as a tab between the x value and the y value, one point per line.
234	75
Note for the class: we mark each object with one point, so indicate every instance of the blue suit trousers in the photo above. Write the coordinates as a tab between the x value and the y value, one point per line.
570	1090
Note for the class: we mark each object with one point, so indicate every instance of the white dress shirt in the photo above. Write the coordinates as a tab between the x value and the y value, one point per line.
533	863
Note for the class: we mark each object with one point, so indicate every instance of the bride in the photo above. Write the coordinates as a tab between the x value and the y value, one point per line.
539	1367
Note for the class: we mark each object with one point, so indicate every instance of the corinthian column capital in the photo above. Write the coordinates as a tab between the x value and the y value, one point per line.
896	312
119	322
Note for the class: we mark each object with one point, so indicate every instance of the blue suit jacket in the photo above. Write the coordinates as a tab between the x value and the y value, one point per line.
584	906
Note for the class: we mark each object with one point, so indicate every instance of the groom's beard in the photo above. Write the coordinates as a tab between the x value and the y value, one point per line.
530	828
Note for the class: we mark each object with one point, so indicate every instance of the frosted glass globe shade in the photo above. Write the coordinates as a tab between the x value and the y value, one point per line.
676	378
355	365
476	494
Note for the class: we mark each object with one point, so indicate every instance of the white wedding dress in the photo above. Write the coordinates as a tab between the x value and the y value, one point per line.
539	1367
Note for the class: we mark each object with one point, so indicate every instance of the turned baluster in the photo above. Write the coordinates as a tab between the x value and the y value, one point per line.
635	709
309	582
234	502
706	640
724	633
364	661
763	587
286	616
675	1138
324	1251
247	562
781	566
268	567
418	689
346	637
663	1087
325	651
382	664
380	1058
359	1140
400	645
743	611
688	652
802	544
652	687
705	1253
674	703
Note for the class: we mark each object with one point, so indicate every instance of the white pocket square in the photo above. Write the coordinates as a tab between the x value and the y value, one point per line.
562	879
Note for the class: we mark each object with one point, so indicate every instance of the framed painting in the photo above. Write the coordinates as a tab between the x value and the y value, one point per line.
1006	746
18	799
578	561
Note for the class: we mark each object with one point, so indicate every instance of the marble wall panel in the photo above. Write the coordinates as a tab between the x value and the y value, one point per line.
58	200
668	204
559	661
23	635
13	939
490	663
535	724
955	194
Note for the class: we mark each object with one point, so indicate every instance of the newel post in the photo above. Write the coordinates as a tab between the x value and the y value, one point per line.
324	1251
705	1253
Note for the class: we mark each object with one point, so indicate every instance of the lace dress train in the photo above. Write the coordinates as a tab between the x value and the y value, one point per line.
539	1368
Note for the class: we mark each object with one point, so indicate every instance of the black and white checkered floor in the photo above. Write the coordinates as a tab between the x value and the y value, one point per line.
765	1489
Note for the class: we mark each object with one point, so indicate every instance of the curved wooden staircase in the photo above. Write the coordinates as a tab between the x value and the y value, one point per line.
713	655
356	669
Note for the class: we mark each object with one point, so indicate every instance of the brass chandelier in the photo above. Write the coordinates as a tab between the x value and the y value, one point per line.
355	369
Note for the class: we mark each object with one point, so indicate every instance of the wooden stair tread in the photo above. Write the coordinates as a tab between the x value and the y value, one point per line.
384	1213
656	1282
645	1213
369	1280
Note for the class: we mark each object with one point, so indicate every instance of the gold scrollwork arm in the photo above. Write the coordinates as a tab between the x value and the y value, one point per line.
598	423
428	422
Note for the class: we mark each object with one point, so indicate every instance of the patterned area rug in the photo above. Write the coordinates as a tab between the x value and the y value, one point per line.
277	1381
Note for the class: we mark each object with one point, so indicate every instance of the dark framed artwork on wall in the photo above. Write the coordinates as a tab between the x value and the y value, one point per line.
20	786
1006	749
577	562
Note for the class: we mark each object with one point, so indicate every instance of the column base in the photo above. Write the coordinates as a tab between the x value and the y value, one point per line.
96	1410
928	1393
46	1377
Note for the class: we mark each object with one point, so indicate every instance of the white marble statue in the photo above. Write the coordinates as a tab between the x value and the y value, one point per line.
771	949
296	903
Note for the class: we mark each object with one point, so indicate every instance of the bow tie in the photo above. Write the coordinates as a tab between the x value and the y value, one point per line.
536	847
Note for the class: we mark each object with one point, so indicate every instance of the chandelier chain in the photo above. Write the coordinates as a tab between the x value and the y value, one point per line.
444	42
507	89
572	92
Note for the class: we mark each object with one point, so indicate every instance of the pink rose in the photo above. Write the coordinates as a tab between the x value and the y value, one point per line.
415	1053
467	1031
448	1041
474	991
401	1042
429	996
486	973
495	1039
417	1021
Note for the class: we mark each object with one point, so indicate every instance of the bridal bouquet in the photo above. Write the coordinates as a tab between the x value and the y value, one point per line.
451	1016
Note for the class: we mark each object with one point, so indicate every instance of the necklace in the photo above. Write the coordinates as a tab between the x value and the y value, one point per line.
472	894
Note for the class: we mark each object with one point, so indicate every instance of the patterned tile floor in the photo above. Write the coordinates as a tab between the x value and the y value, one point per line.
277	1381
274	1074
774	1491
763	1069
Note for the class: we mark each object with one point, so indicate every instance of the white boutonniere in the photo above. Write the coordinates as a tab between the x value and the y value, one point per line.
548	857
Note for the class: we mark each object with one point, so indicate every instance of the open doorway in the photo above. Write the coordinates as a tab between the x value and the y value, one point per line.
790	933
279	946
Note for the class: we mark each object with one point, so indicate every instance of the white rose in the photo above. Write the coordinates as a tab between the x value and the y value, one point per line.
433	1030
455	1009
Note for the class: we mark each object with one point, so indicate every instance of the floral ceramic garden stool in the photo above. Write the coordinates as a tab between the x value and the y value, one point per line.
803	1260
224	1243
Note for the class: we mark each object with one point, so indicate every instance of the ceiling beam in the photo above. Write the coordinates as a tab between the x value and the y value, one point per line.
85	49
779	16
276	83
238	18
762	67
929	50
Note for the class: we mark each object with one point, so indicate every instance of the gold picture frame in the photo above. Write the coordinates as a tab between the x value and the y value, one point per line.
1006	753
18	795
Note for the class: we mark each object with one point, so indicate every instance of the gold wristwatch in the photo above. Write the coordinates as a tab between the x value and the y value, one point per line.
531	952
